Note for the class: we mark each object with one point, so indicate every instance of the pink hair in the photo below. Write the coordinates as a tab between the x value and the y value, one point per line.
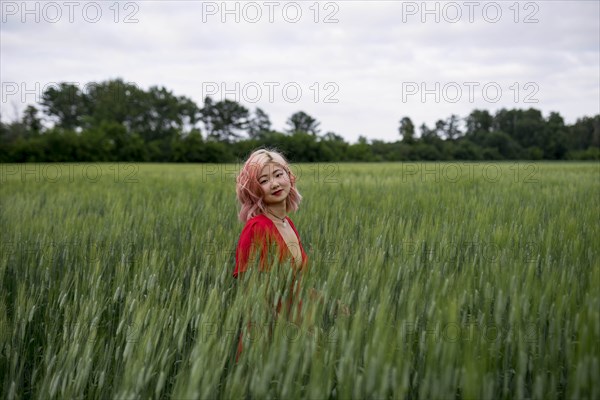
249	192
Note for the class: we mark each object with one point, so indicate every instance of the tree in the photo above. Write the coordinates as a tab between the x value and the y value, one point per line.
585	133
431	143
224	120
467	150
500	145
429	135
206	115
304	147
189	148
526	127
360	151
479	121
332	137
529	128
258	124
451	130
440	128
334	147
114	120
114	101
302	122
407	130
555	137
155	115
160	115
479	124
425	151
33	124
66	103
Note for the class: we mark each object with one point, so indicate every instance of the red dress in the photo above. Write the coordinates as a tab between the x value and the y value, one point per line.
255	239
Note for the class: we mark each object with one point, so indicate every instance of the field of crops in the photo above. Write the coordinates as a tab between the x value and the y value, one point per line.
463	280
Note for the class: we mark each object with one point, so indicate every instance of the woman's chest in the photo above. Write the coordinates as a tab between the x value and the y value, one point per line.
291	240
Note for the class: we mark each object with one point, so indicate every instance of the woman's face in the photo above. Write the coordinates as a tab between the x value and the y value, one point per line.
275	183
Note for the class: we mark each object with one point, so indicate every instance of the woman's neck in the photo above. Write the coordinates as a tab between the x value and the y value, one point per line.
276	209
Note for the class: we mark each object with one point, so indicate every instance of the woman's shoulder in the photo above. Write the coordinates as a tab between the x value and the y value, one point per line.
256	223
256	229
259	219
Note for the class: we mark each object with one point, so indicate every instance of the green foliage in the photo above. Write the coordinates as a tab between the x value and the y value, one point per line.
407	130
301	122
259	124
227	119
467	150
118	121
65	103
589	154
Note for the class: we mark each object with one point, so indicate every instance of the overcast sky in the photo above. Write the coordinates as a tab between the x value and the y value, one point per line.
358	67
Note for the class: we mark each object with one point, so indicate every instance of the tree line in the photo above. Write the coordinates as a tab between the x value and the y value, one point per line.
117	121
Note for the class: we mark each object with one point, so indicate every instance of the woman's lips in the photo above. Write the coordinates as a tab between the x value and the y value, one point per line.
277	193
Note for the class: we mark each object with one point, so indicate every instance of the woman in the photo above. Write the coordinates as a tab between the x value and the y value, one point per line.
266	191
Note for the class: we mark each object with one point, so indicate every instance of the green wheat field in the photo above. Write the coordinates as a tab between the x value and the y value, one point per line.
462	280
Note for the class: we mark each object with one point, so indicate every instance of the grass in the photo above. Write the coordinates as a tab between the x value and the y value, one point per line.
464	280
